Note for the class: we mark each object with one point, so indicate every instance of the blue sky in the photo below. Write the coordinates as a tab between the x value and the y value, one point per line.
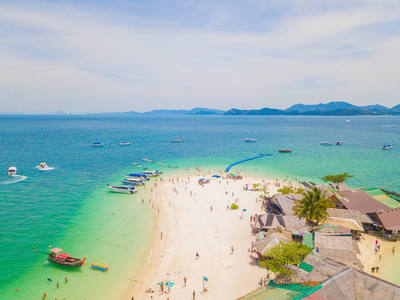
104	56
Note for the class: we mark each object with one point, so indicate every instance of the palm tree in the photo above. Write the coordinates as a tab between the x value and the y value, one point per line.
314	206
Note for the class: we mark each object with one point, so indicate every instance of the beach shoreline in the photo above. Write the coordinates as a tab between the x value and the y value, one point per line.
194	218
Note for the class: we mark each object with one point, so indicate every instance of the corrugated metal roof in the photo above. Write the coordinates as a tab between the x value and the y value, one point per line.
389	218
382	197
360	200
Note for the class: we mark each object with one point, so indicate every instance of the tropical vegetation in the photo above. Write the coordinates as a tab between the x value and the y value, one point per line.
313	206
278	257
336	179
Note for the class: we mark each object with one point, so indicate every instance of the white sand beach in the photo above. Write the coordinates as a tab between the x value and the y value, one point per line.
189	225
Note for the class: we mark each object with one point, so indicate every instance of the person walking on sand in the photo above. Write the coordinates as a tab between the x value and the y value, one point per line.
380	257
194	294
232	249
184	281
393	250
161	236
197	255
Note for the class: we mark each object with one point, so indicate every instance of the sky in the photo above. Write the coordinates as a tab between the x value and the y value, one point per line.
113	56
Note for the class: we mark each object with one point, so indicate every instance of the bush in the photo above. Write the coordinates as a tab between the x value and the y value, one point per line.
234	206
277	257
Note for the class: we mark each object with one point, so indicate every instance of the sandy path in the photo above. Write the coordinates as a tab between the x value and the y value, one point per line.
189	226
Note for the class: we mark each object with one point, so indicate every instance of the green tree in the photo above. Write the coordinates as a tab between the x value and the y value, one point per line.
286	190
336	179
277	257
314	206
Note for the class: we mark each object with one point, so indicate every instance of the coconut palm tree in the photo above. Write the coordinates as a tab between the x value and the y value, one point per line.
314	206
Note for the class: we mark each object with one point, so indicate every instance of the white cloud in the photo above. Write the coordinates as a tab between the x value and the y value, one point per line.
77	60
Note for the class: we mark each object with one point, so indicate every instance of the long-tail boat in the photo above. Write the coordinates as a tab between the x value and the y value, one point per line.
64	258
285	151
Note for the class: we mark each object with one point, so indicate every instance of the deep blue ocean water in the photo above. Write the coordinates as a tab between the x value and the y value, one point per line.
70	207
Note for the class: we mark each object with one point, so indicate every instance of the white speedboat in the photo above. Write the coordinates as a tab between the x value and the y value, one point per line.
126	189
134	164
43	167
133	181
386	147
137	175
12	171
124	143
249	140
97	144
151	173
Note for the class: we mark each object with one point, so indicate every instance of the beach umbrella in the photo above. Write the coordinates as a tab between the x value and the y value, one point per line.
256	255
261	235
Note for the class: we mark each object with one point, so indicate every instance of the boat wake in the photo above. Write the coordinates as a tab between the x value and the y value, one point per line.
388	125
14	179
45	169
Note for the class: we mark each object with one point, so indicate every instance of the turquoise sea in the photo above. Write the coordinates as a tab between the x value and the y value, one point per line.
70	206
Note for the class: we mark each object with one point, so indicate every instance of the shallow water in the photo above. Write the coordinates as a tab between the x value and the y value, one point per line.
70	207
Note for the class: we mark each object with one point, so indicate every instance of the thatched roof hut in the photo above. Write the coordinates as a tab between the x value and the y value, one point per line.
353	284
331	228
271	221
285	203
264	244
322	269
335	241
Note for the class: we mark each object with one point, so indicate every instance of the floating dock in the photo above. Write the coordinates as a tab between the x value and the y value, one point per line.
243	160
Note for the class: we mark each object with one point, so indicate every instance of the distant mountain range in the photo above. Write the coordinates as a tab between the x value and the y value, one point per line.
328	109
194	111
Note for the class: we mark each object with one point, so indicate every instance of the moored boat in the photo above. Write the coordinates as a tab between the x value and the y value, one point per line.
326	144
65	259
137	175
339	143
126	189
151	173
285	151
97	144
386	147
124	143
249	140
133	181
12	171
176	141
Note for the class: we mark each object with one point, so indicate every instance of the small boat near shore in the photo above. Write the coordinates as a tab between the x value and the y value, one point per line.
133	181
97	144
250	140
285	151
137	175
126	189
65	259
151	173
12	171
326	144
386	147
124	143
